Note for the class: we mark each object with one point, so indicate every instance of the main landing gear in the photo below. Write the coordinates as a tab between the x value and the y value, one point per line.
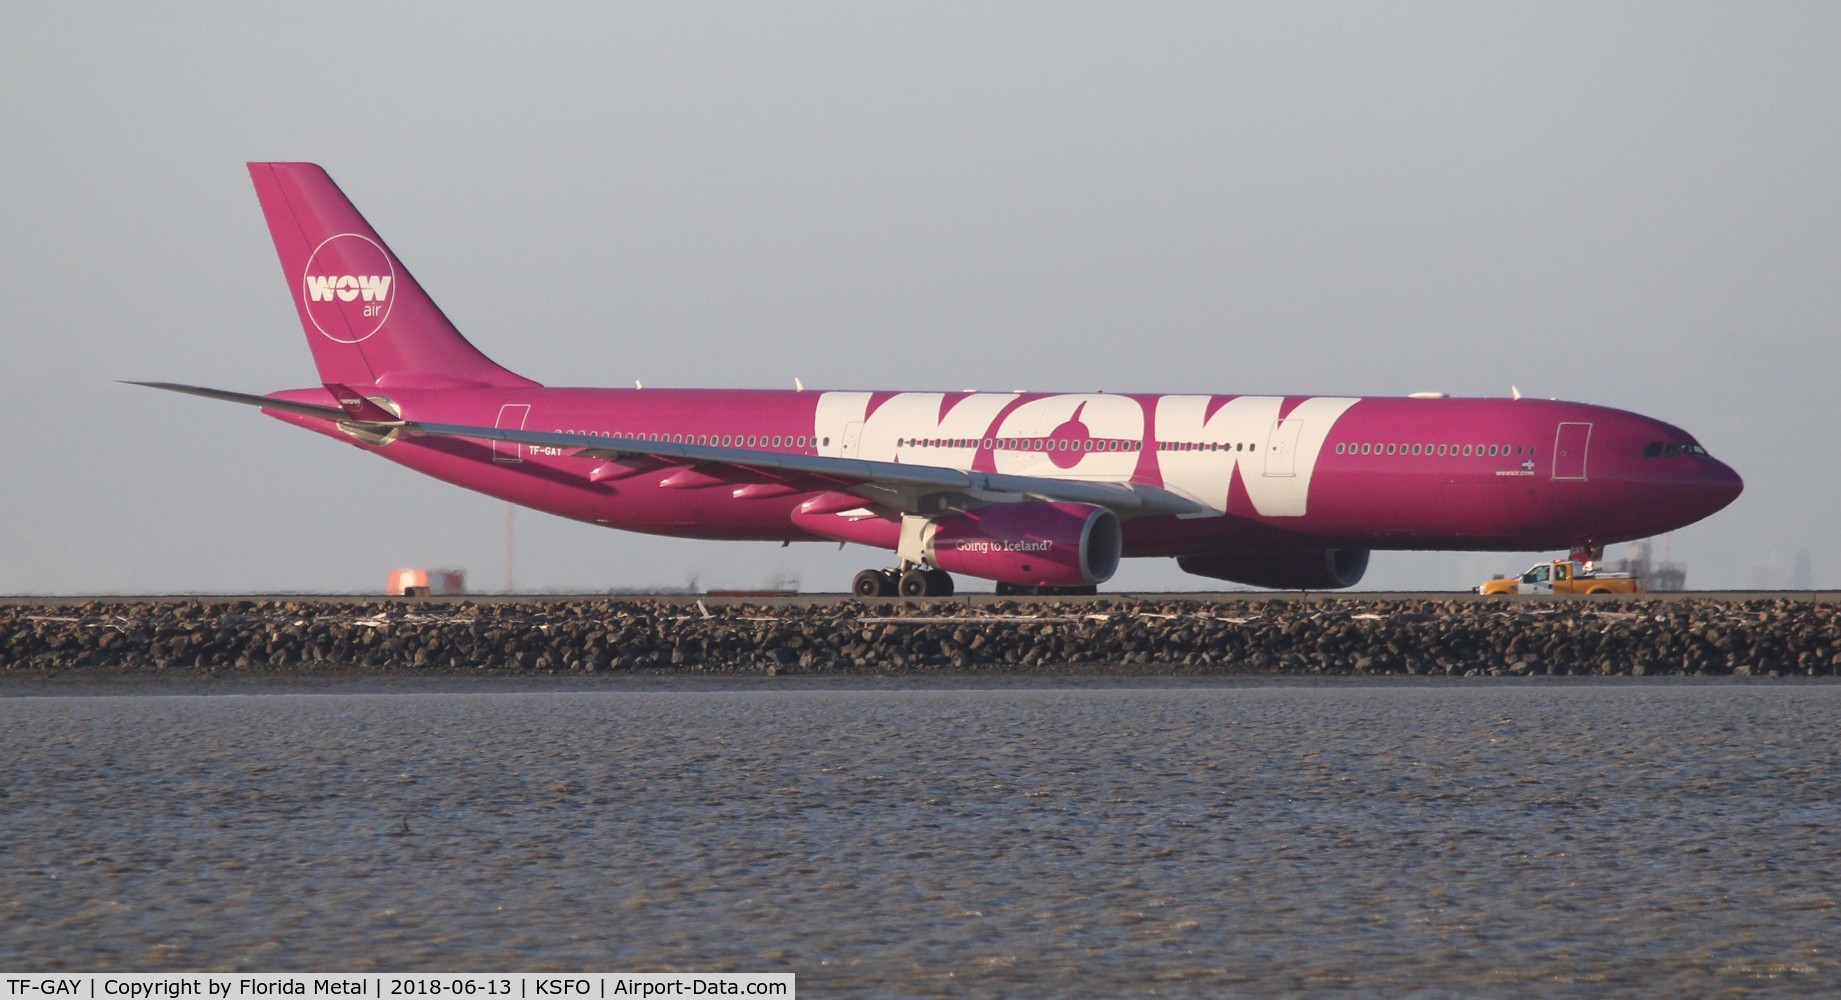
919	581
912	581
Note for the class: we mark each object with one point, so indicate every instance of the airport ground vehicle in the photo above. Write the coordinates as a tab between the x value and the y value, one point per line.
1564	576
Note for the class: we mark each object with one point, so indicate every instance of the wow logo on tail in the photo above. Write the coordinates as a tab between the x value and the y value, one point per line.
348	287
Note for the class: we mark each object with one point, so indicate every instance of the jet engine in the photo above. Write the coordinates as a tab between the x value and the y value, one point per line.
1283	569
1032	544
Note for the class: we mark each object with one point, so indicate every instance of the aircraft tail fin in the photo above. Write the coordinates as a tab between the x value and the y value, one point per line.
367	320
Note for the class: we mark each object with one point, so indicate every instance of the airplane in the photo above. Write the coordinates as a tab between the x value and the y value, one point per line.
1041	493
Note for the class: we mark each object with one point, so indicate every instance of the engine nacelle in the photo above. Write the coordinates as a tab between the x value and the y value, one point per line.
1283	569
1032	544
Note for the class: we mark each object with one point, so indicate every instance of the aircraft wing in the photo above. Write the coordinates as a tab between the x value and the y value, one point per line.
913	489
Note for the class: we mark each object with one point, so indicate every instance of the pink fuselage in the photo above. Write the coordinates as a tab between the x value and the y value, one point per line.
1380	473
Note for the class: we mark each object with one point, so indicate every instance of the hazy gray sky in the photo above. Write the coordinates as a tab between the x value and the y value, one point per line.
1637	205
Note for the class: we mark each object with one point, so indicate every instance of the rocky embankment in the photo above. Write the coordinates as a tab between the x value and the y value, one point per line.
1331	636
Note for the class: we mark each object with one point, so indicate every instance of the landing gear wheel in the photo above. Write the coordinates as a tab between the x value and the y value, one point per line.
919	582
873	583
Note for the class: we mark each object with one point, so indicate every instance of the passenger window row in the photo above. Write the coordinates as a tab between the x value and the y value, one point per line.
717	440
1655	448
1441	450
1067	444
1023	444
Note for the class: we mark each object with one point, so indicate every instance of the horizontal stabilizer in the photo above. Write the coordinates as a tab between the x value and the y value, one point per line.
247	399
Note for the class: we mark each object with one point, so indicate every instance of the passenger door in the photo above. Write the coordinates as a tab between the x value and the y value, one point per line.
1282	447
511	418
1570	442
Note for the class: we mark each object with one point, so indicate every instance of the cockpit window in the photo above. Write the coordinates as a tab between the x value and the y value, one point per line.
1669	449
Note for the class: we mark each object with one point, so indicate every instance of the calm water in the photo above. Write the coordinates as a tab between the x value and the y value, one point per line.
1431	840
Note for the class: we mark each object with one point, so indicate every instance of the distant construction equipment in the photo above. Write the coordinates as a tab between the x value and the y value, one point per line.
414	582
